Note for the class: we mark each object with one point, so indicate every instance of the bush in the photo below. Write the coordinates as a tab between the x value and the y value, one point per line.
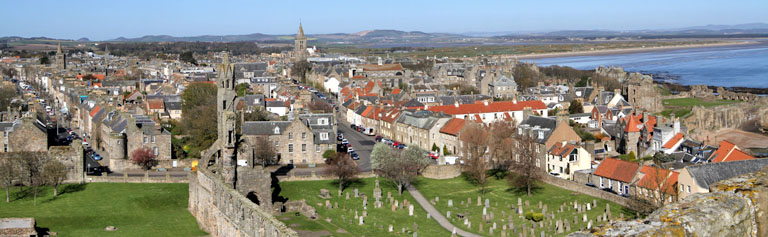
534	216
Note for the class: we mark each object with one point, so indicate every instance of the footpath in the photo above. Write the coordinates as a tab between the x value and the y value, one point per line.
436	214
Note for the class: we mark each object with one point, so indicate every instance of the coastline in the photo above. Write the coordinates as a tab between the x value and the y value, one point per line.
628	50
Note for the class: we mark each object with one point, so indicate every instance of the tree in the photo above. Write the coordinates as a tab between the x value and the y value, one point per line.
242	89
343	168
45	60
143	157
257	115
54	173
500	143
320	106
300	69
8	174
32	164
525	160
9	72
199	99
188	57
265	152
575	107
7	94
328	154
435	148
475	138
399	166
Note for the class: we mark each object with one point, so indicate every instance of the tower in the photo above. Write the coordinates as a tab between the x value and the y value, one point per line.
300	45
225	100
106	60
61	59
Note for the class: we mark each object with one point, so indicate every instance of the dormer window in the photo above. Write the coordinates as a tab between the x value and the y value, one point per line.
322	121
277	130
324	136
541	134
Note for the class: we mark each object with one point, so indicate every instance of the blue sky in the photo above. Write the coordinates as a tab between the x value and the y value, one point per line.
99	20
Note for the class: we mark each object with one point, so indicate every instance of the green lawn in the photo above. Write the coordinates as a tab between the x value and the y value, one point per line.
502	197
309	190
682	106
84	210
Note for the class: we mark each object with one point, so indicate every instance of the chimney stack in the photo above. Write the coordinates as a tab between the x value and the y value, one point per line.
527	111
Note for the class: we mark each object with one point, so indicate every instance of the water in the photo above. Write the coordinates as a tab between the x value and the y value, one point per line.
729	66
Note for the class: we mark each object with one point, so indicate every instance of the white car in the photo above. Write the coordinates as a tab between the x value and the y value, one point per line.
350	150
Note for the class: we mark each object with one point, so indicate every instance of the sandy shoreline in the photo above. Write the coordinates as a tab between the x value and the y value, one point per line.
627	50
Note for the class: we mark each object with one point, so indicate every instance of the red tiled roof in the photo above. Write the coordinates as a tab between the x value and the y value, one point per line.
503	106
674	141
477	118
396	91
559	149
508	117
653	175
155	104
453	126
383	67
358	77
95	110
616	169
633	123
729	152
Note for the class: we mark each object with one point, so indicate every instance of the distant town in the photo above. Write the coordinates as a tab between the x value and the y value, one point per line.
243	139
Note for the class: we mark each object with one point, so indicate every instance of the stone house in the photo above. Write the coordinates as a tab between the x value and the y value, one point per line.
414	128
727	152
301	141
698	178
503	87
656	185
489	112
254	102
616	175
24	134
547	131
387	122
564	159
449	136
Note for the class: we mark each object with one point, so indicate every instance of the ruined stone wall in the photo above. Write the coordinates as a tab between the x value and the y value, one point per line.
441	171
735	207
222	211
726	116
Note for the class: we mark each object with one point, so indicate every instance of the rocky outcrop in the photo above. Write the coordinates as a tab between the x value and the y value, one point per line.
735	207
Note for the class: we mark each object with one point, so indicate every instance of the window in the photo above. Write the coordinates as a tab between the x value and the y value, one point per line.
290	148
324	136
322	121
303	147
276	144
317	148
118	142
689	188
303	135
277	131
601	182
610	184
290	135
145	139
153	139
156	152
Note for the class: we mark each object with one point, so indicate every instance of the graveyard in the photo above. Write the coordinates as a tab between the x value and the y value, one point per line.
357	211
506	211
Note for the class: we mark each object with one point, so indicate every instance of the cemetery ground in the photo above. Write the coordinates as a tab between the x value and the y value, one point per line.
344	214
503	202
86	209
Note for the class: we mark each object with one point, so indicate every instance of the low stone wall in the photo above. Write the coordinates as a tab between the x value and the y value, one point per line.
222	211
131	179
441	171
581	188
735	207
315	176
119	165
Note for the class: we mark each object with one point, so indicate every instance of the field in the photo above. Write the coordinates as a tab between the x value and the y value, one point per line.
342	224
86	209
503	200
682	106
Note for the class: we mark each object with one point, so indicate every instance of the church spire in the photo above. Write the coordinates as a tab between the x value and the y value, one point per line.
59	51
226	58
300	35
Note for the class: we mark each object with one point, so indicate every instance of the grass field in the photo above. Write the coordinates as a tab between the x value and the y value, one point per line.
682	106
84	210
501	196
377	221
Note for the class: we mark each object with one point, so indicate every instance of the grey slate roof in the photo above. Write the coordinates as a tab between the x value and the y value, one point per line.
536	124
707	174
264	127
251	100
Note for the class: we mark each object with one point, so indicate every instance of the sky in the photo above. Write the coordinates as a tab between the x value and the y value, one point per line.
109	19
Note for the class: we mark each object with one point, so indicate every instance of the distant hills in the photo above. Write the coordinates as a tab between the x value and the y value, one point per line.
394	37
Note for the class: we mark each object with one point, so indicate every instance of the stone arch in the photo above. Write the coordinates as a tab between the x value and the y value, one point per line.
253	197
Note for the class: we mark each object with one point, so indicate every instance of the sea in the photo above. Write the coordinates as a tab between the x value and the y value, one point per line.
726	66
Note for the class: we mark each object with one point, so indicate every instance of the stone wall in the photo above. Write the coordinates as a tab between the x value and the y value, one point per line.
223	211
726	116
441	171
140	179
583	189
118	165
735	207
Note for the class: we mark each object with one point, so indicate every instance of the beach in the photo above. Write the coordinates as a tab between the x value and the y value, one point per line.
630	50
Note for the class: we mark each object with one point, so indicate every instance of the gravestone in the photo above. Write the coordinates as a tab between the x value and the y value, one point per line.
594	202
584	218
485	211
608	210
394	208
361	221
544	210
589	206
450	203
391	228
356	193
335	205
487	203
347	196
589	224
328	204
540	204
448	214
324	193
479	201
410	210
437	199
429	216
377	190
519	202
365	213
365	202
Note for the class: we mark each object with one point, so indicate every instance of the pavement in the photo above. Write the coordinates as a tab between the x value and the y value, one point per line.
439	217
363	144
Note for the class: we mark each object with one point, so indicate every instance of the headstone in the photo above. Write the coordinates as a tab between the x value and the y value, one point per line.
479	201
324	193
490	230
540	204
608	210
361	221
397	203
450	203
347	196
584	218
390	228
469	225
589	206
487	203
394	208
389	194
480	227
335	205
365	202
410	210
429	215
328	204
519	202
437	199
365	213
356	193
466	221
448	214
594	202
567	226
377	190
485	211
519	210
589	224
544	210
453	232
575	205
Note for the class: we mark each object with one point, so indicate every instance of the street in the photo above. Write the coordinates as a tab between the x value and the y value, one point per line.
363	144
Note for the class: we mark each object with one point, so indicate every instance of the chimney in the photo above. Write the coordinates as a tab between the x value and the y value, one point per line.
645	117
485	102
676	125
514	101
456	103
527	111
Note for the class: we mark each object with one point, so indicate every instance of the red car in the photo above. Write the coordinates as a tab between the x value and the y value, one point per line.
434	155
395	144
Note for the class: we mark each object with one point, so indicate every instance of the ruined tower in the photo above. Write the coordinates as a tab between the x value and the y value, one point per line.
225	100
300	45
106	60
61	59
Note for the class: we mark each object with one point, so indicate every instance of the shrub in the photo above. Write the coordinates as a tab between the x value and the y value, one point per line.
534	216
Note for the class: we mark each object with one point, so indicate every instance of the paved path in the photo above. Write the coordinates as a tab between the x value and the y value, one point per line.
439	217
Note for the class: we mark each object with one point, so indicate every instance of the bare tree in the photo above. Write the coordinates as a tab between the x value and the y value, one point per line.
500	144
343	168
54	173
524	163
143	157
8	174
265	152
399	166
32	165
475	138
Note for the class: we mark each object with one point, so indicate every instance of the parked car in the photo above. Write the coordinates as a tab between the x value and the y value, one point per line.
353	126
378	138
344	141
96	156
401	146
350	150
340	137
354	156
395	144
433	155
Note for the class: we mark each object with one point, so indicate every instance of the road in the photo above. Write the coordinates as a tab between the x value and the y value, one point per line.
363	144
